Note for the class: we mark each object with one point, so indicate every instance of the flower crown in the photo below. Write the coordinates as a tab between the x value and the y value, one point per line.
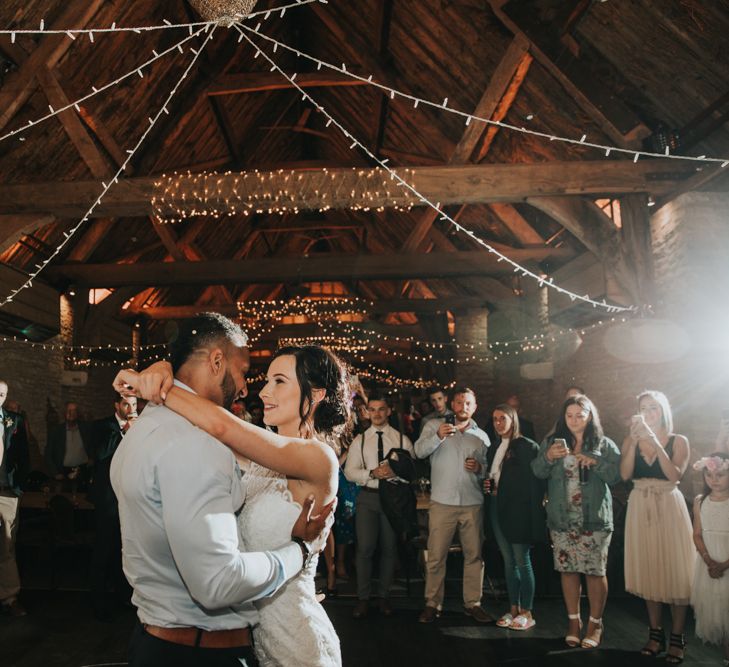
712	464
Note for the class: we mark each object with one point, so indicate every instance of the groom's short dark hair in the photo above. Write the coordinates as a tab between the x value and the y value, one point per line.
203	330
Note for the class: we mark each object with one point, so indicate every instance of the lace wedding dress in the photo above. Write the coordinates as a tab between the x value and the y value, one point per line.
294	629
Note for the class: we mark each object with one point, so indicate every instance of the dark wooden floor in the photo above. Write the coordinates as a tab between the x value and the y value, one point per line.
60	631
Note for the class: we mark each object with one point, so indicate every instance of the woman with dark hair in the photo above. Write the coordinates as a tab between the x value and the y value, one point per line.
579	464
659	553
306	395
515	511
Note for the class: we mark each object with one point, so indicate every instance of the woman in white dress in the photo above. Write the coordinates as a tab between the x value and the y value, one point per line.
305	396
710	592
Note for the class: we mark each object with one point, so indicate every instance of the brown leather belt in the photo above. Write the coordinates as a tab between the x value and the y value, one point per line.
201	638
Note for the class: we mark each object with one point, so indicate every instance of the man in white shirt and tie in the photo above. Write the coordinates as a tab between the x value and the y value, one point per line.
366	467
457	450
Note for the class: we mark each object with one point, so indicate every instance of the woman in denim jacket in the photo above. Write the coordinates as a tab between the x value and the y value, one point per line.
580	463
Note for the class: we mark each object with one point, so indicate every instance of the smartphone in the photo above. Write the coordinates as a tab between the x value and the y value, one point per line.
450	419
561	441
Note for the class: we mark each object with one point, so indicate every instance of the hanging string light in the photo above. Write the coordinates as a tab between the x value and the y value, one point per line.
214	195
115	179
137	71
469	118
518	268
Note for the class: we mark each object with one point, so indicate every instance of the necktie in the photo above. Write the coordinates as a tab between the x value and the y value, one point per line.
380	448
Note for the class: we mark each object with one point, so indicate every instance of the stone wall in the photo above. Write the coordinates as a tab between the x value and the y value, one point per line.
34	379
690	239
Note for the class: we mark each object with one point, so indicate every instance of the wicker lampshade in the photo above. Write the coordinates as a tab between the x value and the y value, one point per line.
214	10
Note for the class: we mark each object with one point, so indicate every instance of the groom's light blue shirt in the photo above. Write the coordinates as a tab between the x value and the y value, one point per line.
178	489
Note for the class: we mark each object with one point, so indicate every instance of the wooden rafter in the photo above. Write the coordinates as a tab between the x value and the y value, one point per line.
18	86
313	268
461	184
256	82
603	112
380	307
515	55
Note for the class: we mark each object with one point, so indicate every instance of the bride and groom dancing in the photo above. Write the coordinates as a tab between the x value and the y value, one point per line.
212	588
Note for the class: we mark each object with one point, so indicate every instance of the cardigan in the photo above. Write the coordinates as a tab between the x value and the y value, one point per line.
520	494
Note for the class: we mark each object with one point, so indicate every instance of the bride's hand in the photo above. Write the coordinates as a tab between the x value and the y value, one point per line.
314	529
152	384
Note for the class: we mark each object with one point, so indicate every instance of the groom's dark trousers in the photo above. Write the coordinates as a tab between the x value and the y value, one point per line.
148	651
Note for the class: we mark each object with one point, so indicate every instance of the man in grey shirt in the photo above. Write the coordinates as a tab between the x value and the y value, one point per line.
178	490
457	450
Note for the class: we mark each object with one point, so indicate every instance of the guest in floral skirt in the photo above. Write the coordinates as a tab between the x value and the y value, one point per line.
580	463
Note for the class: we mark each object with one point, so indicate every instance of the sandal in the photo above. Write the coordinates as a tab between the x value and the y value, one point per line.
505	621
572	640
654	635
522	623
591	642
676	642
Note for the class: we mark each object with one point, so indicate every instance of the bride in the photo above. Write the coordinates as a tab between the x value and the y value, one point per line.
305	396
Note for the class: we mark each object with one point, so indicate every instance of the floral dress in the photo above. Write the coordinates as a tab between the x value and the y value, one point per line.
577	550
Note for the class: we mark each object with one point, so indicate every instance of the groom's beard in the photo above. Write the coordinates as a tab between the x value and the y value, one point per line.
227	388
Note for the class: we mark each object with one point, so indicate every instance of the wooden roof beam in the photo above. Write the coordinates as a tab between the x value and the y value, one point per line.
94	159
297	269
380	307
598	234
460	184
256	82
613	117
461	153
19	85
14	227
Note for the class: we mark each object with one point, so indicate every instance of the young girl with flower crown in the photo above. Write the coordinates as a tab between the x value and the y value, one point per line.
710	594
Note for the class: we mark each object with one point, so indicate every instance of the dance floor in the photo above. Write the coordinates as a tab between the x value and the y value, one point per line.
60	631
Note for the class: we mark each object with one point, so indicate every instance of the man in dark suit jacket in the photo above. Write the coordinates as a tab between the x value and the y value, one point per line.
13	471
106	566
69	448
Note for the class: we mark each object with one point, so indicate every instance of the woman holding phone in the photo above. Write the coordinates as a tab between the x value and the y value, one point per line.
579	464
515	512
659	552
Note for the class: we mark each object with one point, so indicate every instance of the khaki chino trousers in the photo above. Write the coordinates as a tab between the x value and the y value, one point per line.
444	521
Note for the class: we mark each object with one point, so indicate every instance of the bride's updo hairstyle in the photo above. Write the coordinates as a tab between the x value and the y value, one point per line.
319	368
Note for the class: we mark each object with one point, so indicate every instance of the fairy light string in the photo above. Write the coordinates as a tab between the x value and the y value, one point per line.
194	29
469	117
107	185
136	71
212	194
518	268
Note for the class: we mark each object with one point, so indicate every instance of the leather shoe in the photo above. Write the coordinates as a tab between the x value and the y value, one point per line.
361	609
386	607
429	614
478	614
14	609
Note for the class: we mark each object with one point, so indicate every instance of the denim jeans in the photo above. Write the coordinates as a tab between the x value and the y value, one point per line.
517	564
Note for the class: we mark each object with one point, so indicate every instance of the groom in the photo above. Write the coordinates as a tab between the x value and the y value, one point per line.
178	491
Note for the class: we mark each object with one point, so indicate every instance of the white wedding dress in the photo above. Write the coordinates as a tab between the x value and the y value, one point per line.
294	629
